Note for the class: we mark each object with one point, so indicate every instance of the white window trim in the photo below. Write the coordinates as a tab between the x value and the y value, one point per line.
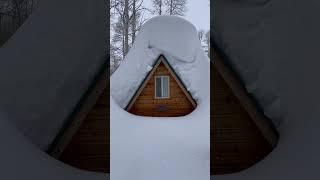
155	87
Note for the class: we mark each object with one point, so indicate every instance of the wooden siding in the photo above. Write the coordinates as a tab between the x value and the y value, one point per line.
147	105
89	147
236	142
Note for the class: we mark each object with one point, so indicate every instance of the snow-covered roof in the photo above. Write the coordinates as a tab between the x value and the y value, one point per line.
146	147
176	39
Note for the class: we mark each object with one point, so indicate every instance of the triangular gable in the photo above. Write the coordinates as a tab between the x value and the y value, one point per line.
161	59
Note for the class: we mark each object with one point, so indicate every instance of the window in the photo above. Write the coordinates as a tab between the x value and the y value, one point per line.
162	87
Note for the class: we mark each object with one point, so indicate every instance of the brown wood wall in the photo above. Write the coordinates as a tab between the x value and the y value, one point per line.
176	105
236	143
89	147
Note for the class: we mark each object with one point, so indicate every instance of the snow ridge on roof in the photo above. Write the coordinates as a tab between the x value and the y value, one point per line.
176	39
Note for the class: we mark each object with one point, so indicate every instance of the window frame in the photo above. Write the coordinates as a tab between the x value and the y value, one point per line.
162	87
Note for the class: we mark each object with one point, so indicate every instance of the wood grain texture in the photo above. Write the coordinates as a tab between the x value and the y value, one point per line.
264	124
147	105
89	147
236	142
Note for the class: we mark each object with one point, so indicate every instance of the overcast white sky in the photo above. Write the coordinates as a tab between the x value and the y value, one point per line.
198	12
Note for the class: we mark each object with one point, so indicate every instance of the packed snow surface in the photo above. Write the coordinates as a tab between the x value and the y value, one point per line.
21	160
275	50
157	148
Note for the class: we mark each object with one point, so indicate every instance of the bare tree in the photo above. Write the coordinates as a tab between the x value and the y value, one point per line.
120	9
115	58
157	5
134	20
176	7
126	26
127	18
201	35
207	36
136	17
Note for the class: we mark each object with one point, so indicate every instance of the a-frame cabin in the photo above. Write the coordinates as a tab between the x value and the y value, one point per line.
240	136
162	93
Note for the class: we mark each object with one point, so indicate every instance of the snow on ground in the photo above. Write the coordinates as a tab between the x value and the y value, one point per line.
21	160
170	148
280	51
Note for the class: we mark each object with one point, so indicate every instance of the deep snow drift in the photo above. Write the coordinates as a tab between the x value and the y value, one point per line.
275	50
45	68
48	65
22	160
170	148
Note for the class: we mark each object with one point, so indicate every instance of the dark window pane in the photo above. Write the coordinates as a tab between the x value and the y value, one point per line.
158	87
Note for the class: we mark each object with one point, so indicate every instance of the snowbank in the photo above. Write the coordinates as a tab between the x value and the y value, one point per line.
22	160
154	148
277	51
159	148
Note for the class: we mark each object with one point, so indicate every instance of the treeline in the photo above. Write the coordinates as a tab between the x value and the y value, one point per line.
127	17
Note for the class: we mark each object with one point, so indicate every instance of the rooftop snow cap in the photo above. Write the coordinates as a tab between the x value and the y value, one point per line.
171	36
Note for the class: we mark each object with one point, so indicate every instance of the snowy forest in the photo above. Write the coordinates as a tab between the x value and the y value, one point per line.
127	17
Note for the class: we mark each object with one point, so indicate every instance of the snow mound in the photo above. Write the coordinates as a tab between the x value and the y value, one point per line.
160	148
286	70
171	36
21	159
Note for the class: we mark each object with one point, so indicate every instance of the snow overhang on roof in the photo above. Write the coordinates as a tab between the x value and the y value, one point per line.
161	59
176	39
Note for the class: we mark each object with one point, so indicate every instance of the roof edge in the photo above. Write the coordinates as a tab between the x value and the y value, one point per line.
155	64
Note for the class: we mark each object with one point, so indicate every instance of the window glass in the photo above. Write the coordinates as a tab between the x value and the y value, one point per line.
165	86
158	87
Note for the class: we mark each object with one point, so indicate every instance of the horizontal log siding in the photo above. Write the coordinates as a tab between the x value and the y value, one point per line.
89	147
147	105
236	142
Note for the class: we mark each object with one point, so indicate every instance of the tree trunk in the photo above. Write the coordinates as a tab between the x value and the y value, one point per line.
171	7
134	21
123	49
126	26
160	7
